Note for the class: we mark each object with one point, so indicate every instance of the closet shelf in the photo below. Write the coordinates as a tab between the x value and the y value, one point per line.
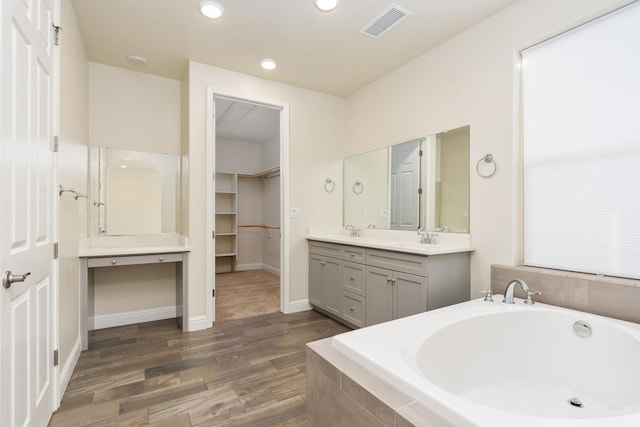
226	234
267	173
225	213
225	254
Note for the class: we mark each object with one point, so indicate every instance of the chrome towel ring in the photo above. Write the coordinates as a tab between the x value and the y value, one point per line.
358	187
490	166
329	185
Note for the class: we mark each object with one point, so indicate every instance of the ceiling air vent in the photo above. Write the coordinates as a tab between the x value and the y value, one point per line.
388	19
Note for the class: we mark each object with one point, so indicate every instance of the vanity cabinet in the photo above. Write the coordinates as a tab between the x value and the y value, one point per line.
365	286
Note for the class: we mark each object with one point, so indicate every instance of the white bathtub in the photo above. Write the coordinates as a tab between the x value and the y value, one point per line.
480	363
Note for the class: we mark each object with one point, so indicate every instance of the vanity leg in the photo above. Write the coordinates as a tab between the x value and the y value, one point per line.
182	287
84	319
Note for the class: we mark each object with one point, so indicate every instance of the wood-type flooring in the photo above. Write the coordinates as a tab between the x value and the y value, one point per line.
246	293
247	372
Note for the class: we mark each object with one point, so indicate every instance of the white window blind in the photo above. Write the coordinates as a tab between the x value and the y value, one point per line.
581	130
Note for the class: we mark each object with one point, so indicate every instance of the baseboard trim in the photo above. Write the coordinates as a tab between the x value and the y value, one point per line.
198	323
299	305
103	321
69	366
271	269
248	267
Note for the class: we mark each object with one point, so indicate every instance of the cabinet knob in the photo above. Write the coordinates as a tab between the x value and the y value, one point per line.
352	309
114	262
388	279
323	263
352	255
352	278
161	259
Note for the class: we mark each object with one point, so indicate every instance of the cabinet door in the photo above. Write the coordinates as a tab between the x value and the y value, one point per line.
379	295
333	286
316	280
409	295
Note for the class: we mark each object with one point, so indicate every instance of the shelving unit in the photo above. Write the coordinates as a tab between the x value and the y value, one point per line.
226	221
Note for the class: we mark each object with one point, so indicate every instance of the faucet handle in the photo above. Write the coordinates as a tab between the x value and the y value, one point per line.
488	297
529	299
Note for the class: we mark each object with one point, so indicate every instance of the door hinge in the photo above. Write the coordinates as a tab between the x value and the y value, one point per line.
213	234
55	357
420	153
213	293
55	250
56	144
56	34
419	190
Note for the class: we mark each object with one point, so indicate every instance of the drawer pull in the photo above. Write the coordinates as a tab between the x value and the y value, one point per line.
352	255
114	262
352	278
323	263
352	309
161	259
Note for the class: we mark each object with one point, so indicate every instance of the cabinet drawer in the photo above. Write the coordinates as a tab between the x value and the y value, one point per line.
354	254
398	261
353	308
326	249
353	278
114	261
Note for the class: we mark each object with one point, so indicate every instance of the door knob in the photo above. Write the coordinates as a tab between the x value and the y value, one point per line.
8	279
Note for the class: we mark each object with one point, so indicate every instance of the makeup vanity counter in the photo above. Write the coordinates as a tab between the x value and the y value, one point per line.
362	281
112	251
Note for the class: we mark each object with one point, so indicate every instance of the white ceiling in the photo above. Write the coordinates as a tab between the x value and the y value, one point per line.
320	51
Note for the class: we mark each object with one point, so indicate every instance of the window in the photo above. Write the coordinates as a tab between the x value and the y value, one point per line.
581	132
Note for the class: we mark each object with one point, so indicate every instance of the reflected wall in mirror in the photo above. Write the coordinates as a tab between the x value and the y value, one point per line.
366	194
133	192
440	199
448	181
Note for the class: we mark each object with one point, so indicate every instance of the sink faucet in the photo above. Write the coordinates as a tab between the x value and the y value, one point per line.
355	232
510	289
425	237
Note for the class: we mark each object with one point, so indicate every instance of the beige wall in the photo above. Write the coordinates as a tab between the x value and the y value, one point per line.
470	80
133	111
316	149
72	166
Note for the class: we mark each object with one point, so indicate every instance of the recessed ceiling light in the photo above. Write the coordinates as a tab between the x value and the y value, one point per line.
326	5
268	64
210	9
137	60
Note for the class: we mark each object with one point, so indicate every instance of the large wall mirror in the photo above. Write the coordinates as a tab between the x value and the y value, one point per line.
418	183
132	192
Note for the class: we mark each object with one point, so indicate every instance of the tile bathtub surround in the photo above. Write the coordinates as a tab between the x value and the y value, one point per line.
607	296
341	393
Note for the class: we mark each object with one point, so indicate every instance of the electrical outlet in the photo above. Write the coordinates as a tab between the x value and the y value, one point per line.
383	213
319	212
296	212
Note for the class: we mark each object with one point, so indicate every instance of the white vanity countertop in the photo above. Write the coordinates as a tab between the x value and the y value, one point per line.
132	245
393	240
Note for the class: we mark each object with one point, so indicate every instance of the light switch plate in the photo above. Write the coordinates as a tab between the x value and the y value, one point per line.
296	212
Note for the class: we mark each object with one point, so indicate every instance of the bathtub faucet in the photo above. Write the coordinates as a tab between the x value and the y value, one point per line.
510	289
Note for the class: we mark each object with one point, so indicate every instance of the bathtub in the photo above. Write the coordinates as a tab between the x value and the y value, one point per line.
482	363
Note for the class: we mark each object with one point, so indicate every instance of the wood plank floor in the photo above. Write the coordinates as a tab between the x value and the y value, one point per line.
246	293
248	372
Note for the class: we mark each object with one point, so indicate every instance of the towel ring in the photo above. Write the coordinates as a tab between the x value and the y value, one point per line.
488	158
358	187
329	185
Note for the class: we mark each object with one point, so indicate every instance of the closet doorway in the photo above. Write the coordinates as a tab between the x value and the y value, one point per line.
248	209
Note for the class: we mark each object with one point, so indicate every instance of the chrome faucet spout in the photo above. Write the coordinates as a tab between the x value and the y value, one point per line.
354	232
425	237
510	289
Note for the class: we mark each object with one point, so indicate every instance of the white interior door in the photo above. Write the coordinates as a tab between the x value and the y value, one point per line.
404	185
27	212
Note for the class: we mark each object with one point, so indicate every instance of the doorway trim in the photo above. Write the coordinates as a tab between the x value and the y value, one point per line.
212	93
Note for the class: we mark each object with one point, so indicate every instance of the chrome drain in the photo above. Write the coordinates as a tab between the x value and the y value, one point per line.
575	402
